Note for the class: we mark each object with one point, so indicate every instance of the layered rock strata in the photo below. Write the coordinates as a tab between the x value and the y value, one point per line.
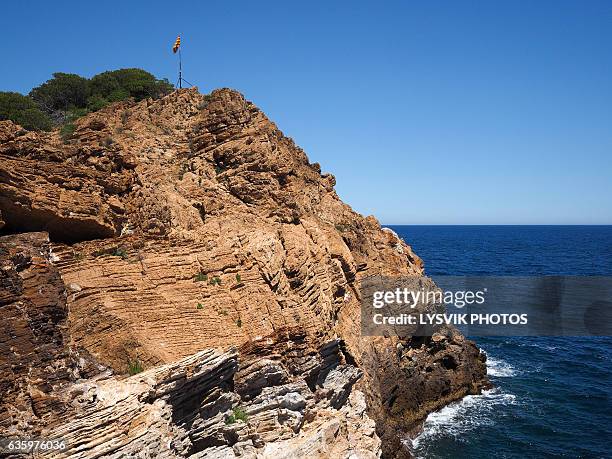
192	223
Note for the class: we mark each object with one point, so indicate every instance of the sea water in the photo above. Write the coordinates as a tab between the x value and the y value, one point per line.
552	394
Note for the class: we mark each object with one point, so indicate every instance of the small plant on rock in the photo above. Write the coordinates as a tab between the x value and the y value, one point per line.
341	227
206	98
200	277
182	171
67	131
238	414
199	306
119	252
135	367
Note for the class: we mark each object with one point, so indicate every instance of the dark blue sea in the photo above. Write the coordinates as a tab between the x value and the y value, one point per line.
552	394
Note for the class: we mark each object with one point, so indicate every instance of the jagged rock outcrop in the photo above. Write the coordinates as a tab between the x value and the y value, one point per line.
200	407
192	222
36	360
47	185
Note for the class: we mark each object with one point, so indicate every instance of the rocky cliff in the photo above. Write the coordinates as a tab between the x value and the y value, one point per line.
189	237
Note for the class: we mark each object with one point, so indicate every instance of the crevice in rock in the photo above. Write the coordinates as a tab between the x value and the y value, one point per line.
22	219
348	357
448	362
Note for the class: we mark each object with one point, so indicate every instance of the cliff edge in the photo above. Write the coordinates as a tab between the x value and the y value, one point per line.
187	236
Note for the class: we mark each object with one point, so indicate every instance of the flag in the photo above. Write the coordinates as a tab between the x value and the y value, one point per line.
177	44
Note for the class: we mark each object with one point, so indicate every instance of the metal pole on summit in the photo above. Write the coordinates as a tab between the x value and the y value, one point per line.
180	69
177	48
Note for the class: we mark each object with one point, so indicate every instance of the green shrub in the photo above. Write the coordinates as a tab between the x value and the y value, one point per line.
215	281
200	277
341	227
74	113
135	367
119	252
24	111
124	83
61	92
69	117
238	278
67	96
96	102
104	84
119	95
67	131
238	414
199	306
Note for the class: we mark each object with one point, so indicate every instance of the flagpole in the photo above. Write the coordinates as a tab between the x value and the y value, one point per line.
180	69
175	48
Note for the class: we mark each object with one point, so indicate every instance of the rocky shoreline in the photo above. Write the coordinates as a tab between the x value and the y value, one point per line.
187	236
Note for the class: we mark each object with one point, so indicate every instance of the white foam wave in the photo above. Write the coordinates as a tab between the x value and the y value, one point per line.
458	418
499	368
545	347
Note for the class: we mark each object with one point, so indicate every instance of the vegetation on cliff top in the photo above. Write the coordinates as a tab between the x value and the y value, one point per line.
67	96
24	111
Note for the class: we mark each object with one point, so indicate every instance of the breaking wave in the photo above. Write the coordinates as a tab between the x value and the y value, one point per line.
499	368
459	418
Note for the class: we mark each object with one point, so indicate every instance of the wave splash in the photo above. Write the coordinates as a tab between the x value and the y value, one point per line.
469	413
499	368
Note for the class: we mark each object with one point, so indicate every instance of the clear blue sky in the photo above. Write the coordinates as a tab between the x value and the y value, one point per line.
426	112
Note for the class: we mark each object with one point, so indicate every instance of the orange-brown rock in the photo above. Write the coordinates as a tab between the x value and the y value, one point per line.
36	360
192	222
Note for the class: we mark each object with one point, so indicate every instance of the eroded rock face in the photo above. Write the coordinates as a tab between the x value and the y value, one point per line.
46	185
36	360
192	408
192	222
